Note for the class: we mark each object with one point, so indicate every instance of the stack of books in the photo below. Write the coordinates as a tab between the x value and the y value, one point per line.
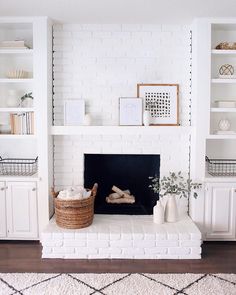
22	123
18	44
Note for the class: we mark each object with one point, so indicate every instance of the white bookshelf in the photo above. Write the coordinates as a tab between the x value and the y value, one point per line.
223	52
37	61
223	110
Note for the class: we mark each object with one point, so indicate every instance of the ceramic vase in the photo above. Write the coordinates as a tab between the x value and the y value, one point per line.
158	213
171	210
87	120
12	99
146	118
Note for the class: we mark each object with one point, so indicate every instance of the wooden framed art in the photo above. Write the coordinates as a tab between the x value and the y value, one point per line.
74	111
131	111
162	101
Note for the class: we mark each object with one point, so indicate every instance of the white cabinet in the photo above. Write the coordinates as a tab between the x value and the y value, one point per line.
220	203
19	214
2	210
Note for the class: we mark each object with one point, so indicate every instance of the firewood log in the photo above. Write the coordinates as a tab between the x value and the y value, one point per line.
123	194
129	200
117	196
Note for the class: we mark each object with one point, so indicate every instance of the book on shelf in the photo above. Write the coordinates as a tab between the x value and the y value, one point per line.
22	123
13	44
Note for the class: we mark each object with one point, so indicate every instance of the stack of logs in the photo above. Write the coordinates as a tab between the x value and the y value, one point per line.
120	197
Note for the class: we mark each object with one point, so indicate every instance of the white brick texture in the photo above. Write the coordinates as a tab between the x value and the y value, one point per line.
149	247
100	63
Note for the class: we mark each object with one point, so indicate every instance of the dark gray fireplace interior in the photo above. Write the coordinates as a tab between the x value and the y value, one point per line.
127	172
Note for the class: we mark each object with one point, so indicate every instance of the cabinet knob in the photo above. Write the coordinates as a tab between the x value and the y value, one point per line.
34	189
2	188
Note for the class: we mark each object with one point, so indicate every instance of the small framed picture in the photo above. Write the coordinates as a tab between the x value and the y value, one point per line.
74	111
131	111
162	102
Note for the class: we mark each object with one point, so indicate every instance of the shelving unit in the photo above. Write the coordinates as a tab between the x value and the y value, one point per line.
37	34
214	210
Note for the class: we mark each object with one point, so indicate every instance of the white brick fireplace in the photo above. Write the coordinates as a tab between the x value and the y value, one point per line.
101	63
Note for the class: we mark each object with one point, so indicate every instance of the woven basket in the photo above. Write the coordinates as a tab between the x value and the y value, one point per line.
74	214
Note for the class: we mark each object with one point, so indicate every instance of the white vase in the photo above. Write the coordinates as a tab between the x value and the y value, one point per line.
158	213
12	99
171	210
27	102
146	118
87	120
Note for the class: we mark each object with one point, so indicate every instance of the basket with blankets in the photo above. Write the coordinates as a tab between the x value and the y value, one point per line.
74	207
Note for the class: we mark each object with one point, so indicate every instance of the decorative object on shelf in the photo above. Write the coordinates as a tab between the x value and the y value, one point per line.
87	120
18	167
225	103
224	125
162	101
131	111
221	167
17	74
226	71
75	214
158	213
146	118
12	98
173	185
74	111
226	46
27	100
5	127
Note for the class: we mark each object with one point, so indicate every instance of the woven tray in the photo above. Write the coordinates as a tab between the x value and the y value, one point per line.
74	214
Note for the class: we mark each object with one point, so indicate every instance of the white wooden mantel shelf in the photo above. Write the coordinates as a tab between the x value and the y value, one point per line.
84	130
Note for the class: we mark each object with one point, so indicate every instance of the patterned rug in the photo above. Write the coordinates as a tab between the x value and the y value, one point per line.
117	284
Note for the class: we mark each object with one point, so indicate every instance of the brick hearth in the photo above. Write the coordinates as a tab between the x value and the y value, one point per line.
124	237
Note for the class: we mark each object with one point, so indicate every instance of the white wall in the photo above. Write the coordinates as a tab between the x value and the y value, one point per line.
101	63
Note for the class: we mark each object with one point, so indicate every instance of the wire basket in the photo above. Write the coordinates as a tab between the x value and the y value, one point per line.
18	167
219	167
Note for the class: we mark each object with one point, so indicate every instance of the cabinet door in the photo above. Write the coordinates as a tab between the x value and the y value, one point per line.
2	210
220	211
22	219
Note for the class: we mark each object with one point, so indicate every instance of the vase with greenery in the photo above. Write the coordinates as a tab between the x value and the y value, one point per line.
175	184
27	100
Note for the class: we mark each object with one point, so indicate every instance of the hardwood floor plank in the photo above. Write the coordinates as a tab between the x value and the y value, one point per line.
25	256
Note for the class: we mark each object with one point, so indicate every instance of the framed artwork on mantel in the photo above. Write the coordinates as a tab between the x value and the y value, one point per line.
74	111
131	111
162	101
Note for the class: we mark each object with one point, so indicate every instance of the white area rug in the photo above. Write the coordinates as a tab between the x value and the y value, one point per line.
117	284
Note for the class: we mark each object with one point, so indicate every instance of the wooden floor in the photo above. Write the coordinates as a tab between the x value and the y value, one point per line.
218	257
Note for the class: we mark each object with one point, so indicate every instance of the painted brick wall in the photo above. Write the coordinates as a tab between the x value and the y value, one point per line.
101	63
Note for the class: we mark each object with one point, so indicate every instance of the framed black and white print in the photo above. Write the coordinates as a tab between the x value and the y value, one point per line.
131	111
162	101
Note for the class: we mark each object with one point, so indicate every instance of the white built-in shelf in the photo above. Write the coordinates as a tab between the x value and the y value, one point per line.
100	130
14	110
223	81
16	51
7	80
223	52
17	136
221	136
223	110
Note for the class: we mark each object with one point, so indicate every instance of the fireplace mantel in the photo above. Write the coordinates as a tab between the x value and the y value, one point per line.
120	130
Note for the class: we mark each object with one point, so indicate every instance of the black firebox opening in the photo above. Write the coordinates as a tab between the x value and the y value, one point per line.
126	172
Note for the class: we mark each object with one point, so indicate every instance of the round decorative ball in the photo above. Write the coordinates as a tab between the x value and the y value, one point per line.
226	70
224	125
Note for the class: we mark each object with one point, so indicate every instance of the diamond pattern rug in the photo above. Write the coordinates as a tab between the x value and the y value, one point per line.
117	284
